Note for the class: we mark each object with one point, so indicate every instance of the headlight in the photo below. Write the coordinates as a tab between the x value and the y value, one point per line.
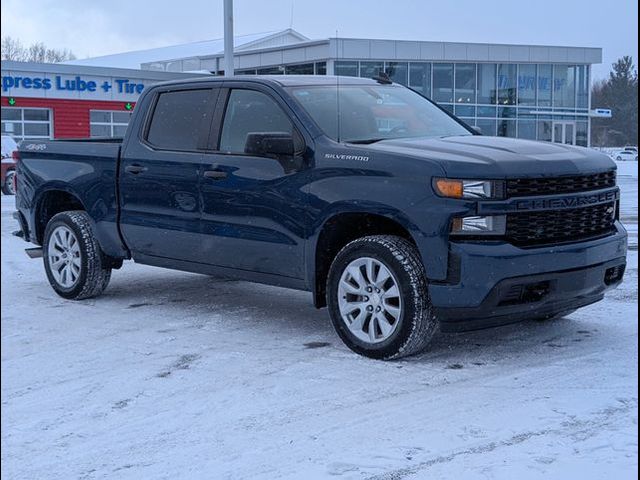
470	189
489	225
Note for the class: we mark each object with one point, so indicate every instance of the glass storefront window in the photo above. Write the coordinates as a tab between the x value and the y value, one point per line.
581	134
448	107
398	72
300	69
371	69
465	83
97	116
443	82
564	86
526	84
487	83
545	80
279	70
544	130
486	111
506	128
420	78
108	123
26	123
507	112
487	126
347	69
11	114
527	129
507	84
583	86
464	110
321	68
36	114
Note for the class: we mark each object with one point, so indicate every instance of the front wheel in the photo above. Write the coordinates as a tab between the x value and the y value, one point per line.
378	298
75	265
9	187
619	158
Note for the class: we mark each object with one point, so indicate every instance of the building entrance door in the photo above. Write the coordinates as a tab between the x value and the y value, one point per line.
564	132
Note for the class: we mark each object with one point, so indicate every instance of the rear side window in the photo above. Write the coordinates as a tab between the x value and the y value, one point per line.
249	111
178	118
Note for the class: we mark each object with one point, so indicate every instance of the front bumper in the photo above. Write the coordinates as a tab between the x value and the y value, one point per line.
499	283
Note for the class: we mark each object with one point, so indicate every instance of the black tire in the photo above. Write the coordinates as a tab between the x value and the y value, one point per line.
95	271
417	323
619	159
9	187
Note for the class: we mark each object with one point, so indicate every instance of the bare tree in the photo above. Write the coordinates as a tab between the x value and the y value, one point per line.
12	49
56	56
37	53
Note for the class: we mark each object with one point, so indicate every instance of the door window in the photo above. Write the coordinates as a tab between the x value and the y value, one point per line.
250	111
178	118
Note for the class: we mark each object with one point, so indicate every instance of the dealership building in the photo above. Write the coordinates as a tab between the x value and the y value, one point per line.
524	91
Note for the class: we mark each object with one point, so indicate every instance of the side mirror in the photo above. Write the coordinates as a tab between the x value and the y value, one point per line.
476	129
278	144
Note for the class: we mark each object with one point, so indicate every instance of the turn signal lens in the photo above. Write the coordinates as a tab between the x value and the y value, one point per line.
449	188
470	189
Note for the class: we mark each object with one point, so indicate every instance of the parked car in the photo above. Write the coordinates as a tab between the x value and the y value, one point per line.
631	148
626	155
391	212
8	176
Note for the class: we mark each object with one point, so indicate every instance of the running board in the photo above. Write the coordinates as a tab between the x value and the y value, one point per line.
34	252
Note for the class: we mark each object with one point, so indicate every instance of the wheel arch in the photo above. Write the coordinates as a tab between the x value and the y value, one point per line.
49	203
340	228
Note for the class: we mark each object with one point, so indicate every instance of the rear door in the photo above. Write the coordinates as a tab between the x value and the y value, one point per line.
160	174
254	208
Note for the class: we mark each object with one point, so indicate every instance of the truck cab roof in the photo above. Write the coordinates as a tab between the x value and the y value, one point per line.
279	80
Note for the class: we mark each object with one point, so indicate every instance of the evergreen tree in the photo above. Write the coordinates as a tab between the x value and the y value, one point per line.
619	93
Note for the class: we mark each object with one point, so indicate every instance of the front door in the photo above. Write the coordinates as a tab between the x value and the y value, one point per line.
564	132
253	207
160	176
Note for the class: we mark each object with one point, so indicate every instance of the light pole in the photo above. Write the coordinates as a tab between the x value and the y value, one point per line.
228	38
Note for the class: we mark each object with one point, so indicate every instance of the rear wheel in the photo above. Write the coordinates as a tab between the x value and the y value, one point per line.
75	265
378	298
9	187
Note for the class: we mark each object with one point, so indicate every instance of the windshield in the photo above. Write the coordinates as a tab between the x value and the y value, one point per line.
370	113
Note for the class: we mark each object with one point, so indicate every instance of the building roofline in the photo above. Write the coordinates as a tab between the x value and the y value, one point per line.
71	69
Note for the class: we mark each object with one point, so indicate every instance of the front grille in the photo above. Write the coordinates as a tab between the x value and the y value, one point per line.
559	226
527	187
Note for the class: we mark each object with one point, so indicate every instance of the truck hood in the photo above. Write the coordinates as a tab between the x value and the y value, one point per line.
477	156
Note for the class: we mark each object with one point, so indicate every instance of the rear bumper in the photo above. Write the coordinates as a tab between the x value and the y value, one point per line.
499	283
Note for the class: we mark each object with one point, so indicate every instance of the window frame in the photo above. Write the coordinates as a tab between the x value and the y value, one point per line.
213	144
24	122
205	126
111	124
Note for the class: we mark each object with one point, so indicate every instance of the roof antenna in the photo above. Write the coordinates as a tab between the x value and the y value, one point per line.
339	120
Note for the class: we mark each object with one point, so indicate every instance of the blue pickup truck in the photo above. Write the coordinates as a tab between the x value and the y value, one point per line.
390	211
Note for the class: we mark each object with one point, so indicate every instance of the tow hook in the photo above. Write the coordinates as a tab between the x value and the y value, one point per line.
34	252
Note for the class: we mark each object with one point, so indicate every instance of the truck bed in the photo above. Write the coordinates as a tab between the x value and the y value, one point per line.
86	169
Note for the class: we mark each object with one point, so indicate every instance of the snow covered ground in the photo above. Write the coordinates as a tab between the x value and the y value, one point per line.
172	375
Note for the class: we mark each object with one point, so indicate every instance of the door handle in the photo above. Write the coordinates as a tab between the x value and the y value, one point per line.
135	169
215	174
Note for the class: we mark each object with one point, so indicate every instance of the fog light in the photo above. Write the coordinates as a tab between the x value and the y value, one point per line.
489	225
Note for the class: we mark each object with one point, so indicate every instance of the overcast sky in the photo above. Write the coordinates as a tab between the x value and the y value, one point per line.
99	28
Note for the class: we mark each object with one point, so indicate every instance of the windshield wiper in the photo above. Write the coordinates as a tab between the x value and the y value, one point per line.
367	141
